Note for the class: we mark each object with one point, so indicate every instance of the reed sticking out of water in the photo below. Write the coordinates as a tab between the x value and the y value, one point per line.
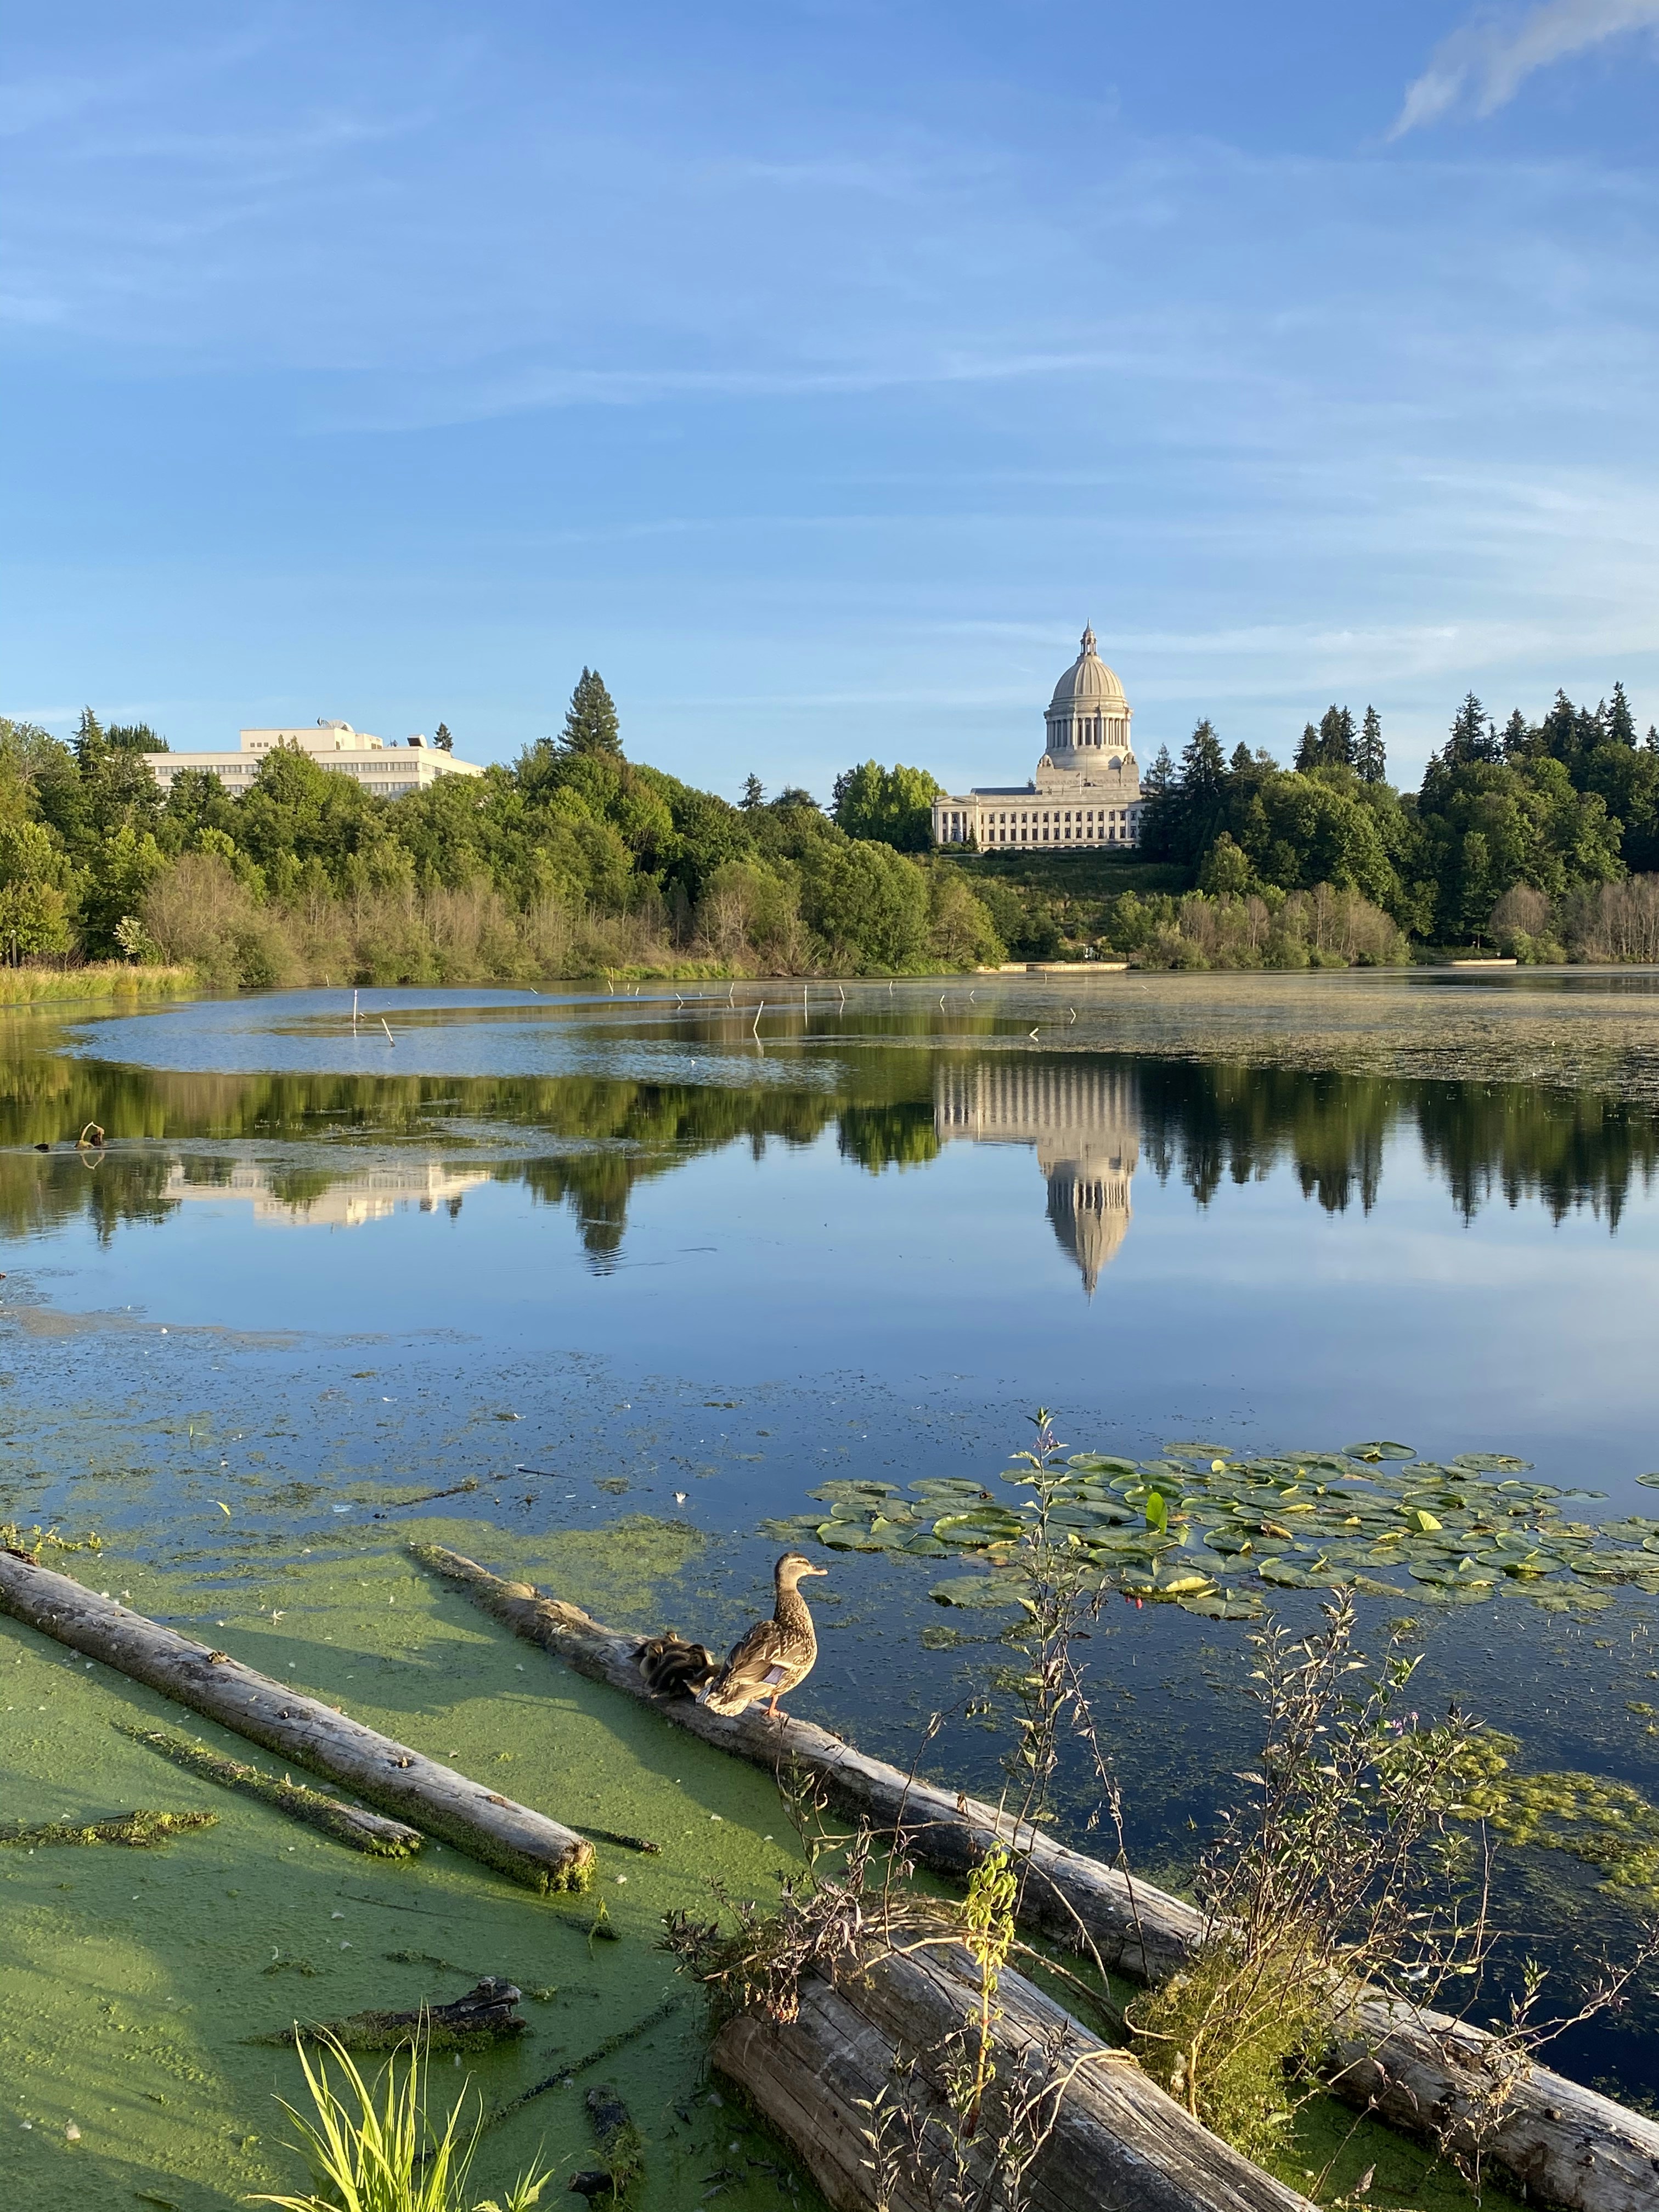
371	2147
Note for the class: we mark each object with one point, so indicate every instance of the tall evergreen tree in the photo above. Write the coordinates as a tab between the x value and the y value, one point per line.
1160	776
1517	739
1473	736
1336	737
754	794
1620	722
90	743
1203	767
590	723
443	740
1307	751
1371	757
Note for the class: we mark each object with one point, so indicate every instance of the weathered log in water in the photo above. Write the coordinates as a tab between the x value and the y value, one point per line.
1117	2143
516	1841
1136	1929
1426	2072
1431	2075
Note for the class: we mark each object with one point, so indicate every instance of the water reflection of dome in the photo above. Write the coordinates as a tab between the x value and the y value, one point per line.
1081	1117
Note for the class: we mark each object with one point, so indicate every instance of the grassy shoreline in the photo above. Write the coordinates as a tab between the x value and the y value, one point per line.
101	979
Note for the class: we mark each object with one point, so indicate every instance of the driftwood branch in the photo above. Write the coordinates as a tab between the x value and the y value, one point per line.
1097	2130
513	1838
1424	2071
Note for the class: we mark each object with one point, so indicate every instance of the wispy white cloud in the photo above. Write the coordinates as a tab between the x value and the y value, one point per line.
1483	64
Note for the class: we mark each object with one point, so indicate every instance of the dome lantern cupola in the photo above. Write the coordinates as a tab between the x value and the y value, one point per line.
1088	714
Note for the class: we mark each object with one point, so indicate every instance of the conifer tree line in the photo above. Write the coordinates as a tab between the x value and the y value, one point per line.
1557	807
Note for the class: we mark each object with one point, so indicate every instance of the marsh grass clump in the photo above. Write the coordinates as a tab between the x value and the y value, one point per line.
371	2147
1230	2037
140	1830
30	1543
1341	1866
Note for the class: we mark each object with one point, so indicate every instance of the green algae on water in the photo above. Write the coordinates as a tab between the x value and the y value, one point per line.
1608	1824
141	1831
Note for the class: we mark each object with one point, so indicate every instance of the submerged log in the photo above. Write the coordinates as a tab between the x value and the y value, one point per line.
1115	2140
347	1824
1426	2073
516	1841
484	2016
620	2147
139	1831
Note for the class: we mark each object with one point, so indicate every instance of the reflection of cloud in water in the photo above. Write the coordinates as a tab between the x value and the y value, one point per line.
289	1201
1083	1120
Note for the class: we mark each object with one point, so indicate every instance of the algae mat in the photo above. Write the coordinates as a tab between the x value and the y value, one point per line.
136	1980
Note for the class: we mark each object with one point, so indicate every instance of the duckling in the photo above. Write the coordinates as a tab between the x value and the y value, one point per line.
777	1655
674	1668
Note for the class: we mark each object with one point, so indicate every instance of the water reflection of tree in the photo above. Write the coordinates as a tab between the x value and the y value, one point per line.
1567	1148
1212	1124
1207	1122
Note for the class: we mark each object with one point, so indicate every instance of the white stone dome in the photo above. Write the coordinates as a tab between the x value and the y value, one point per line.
1088	684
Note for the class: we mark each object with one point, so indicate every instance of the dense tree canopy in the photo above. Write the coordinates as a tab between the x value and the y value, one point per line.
88	845
894	805
1562	804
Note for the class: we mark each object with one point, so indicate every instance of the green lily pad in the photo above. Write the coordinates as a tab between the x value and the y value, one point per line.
1375	1451
1286	1574
1213	1606
974	1590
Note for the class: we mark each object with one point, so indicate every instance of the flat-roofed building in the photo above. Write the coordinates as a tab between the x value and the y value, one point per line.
392	769
1086	791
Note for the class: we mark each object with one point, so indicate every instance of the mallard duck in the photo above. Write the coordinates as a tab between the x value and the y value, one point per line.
674	1668
777	1655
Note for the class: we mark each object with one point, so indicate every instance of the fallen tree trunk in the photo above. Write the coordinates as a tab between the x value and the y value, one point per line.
516	1841
1115	2140
1429	2074
1138	1930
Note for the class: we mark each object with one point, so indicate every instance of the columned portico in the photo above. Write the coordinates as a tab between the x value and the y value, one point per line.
1086	791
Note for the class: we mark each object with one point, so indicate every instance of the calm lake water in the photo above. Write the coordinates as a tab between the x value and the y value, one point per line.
708	1254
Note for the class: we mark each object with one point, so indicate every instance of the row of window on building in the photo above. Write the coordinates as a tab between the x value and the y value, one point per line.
1102	825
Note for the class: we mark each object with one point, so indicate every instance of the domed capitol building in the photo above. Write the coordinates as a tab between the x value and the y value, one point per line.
1086	791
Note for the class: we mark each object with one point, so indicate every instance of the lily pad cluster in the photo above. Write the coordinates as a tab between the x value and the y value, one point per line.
1216	1534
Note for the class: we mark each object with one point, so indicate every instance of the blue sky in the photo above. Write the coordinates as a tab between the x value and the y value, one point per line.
816	370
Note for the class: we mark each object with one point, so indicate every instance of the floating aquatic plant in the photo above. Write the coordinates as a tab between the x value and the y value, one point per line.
1204	1529
1607	1823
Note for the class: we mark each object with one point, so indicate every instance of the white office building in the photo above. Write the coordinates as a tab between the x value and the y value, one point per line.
392	769
1086	791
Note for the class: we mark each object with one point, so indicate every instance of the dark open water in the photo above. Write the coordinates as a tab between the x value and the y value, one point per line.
710	1267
